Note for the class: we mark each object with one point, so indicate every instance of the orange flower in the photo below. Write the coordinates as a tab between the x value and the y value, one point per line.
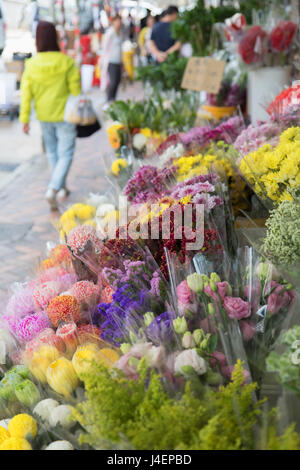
113	135
64	308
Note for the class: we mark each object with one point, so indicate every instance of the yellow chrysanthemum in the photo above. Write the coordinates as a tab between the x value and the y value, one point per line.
15	443
292	134
188	167
22	426
67	215
117	165
275	171
4	434
84	211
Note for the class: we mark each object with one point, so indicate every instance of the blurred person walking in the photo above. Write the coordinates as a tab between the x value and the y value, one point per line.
49	79
144	40
33	16
162	43
111	67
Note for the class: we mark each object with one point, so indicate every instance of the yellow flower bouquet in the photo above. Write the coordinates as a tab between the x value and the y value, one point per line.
78	214
274	172
115	135
194	165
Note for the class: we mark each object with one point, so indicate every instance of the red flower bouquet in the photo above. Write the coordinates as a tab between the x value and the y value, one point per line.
252	46
282	35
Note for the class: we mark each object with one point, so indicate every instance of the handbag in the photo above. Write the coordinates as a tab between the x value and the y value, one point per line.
79	110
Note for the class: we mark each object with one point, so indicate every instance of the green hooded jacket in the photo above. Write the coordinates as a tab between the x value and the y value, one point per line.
48	79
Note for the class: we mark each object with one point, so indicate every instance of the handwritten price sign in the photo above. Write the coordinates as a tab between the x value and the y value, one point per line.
203	74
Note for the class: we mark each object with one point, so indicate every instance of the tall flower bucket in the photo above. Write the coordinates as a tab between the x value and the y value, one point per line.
263	85
87	73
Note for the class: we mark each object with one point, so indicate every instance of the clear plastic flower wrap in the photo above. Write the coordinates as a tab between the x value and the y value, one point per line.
41	392
278	242
206	303
272	300
269	41
120	170
47	341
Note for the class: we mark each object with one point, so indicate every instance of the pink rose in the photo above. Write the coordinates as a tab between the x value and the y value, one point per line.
248	329
218	358
184	293
237	308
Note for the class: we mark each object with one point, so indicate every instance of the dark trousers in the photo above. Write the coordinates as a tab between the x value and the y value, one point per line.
114	71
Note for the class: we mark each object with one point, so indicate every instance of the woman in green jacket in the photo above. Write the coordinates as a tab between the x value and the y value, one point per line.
49	79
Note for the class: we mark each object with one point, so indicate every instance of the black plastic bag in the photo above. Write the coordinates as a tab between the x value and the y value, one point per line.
86	131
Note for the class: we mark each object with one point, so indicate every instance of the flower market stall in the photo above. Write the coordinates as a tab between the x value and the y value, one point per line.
166	317
147	343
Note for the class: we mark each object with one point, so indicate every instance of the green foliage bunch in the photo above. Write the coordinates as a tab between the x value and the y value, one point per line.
195	26
178	115
140	414
165	76
282	242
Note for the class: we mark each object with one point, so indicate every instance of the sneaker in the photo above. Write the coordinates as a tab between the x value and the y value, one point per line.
62	194
50	197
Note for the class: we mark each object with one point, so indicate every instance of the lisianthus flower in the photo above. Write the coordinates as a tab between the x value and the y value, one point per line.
190	360
237	308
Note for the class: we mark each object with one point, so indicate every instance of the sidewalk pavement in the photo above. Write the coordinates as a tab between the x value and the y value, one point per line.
26	224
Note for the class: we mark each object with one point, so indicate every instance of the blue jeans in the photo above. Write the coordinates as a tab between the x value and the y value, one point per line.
59	139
